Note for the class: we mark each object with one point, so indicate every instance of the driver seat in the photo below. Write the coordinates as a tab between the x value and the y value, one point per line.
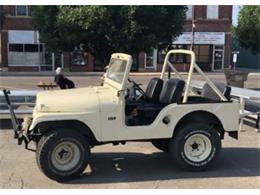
153	90
152	94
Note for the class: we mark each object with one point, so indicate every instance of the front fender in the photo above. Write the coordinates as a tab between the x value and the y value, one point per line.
89	119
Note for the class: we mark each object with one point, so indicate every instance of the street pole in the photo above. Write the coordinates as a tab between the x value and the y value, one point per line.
193	28
235	54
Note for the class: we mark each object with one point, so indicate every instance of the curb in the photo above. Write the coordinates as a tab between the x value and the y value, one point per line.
90	73
43	74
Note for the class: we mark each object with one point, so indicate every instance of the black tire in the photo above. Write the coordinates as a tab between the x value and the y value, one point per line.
57	146
193	156
161	144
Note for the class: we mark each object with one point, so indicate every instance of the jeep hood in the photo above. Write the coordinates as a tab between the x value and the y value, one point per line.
69	100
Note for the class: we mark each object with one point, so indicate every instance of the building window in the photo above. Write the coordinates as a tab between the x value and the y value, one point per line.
13	47
212	11
16	47
189	12
32	48
25	54
161	55
21	10
203	54
174	58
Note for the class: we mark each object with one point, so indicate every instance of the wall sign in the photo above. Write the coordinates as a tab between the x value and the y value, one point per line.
209	38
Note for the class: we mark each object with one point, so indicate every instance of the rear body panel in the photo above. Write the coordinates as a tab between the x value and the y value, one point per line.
116	129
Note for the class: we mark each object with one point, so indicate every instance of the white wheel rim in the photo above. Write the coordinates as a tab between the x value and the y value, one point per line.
65	156
197	147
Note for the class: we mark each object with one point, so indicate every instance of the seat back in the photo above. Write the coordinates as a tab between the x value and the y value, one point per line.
208	93
153	90
172	91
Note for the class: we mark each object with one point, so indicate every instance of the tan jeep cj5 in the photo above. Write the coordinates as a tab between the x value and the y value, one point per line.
66	124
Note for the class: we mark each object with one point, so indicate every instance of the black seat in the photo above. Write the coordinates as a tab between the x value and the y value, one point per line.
153	90
171	93
209	93
152	94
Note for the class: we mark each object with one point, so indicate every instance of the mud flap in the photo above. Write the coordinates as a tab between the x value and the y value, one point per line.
233	134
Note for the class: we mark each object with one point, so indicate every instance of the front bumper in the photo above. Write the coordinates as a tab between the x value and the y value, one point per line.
20	130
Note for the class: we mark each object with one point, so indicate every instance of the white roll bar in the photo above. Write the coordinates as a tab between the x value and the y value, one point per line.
191	70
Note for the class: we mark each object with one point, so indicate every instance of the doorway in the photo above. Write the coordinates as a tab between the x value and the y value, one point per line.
218	57
151	59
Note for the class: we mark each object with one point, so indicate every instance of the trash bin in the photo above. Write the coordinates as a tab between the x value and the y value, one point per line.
235	78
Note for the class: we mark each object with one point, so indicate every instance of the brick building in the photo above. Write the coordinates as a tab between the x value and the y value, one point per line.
21	49
17	36
212	43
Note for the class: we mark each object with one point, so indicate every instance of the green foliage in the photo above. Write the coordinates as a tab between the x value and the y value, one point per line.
102	30
247	31
56	35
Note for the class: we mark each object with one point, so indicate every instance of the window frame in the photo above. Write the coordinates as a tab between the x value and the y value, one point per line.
210	9
16	11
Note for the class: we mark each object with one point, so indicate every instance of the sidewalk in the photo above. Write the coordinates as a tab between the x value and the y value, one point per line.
7	73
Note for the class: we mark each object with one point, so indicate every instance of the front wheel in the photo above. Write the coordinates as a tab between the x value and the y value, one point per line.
62	154
195	147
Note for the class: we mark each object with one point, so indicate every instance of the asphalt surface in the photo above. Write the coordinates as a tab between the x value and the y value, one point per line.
134	165
30	82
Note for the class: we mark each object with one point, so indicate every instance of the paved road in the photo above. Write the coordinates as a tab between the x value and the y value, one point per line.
29	82
136	165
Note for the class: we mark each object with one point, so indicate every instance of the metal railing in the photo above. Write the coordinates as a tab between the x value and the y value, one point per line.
22	101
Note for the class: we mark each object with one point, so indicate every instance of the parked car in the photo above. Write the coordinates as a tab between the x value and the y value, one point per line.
66	124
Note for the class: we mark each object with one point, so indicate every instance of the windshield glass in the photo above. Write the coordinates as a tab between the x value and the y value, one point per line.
116	70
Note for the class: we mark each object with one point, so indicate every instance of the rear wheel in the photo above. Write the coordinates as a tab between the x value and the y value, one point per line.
63	154
195	147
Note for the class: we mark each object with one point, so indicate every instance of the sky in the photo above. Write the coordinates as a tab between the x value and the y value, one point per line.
236	9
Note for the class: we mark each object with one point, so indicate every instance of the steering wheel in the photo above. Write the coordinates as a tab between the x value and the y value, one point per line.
137	87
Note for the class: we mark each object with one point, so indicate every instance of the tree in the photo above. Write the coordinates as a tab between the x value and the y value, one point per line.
247	31
55	35
102	30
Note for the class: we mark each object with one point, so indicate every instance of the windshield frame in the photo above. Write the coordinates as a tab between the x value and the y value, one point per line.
112	82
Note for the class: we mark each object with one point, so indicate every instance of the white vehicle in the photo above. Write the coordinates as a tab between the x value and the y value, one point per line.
66	124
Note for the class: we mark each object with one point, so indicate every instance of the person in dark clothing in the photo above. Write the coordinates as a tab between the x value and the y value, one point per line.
62	81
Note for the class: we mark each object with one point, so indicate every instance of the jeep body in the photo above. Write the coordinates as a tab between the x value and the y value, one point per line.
98	113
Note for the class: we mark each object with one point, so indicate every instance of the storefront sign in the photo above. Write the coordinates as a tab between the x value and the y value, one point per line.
209	38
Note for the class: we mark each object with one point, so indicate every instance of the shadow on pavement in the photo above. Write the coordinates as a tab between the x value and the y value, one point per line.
134	167
6	124
257	89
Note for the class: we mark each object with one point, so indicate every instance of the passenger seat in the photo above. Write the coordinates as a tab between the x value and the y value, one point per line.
171	93
209	93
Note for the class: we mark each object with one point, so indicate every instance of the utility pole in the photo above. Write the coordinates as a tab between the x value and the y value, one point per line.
193	28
